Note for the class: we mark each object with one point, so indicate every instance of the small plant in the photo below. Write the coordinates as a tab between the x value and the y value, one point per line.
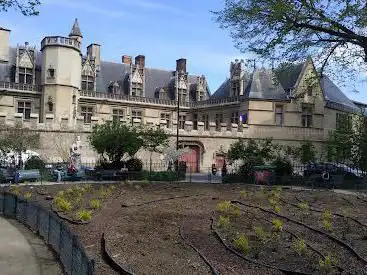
84	215
277	225
260	233
276	208
224	206
95	204
278	189
275	195
88	187
235	210
244	194
272	202
326	265
112	188
241	243
15	190
326	215
60	194
223	222
327	225
103	193
62	204
303	206
27	195
300	246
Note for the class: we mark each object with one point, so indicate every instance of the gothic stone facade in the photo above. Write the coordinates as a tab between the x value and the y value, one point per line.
61	92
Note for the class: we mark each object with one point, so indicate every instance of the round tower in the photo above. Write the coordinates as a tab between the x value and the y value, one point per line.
61	74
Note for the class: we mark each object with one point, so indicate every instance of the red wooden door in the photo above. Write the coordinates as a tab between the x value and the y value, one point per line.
192	159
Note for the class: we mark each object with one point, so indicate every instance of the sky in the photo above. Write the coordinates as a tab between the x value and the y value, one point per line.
162	30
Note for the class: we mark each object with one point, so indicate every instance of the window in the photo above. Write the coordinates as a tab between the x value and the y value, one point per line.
182	95
235	118
87	113
136	114
117	114
181	122
307	116
343	122
167	118
87	83
51	73
201	95
195	124
279	115
218	120
235	88
50	107
137	89
25	75
309	90
25	108
205	119
74	99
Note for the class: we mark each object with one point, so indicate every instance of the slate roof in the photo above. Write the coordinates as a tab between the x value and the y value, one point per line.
261	86
109	73
75	30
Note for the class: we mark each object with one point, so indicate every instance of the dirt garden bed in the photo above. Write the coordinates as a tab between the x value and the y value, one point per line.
213	229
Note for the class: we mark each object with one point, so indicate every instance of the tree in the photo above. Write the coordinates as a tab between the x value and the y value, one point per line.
307	152
292	30
26	7
115	140
154	140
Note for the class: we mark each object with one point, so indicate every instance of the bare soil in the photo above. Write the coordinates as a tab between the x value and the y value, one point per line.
152	229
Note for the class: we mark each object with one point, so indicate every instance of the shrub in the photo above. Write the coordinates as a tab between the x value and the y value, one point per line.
304	206
223	222
62	204
283	166
84	215
247	169
277	208
244	194
326	215
27	195
277	225
241	243
228	208
15	190
327	225
260	233
95	204
326	265
134	165
103	193
300	246
35	163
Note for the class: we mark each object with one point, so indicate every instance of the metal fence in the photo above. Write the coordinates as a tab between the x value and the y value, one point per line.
54	232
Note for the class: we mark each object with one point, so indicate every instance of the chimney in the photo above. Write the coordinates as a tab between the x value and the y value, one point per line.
140	61
181	65
127	59
94	51
4	45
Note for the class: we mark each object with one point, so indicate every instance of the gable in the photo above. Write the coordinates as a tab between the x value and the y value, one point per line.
87	69
137	77
25	61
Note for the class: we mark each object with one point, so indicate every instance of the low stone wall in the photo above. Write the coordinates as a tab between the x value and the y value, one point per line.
52	229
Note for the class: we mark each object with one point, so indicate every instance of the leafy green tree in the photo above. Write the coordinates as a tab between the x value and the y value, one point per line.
26	7
154	140
116	140
292	30
307	152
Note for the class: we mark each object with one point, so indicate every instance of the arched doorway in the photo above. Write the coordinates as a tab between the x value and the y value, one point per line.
193	156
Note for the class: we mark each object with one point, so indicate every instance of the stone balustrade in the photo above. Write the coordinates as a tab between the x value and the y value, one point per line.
66	124
60	41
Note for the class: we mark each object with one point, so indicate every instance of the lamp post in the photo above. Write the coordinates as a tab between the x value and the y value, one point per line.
178	113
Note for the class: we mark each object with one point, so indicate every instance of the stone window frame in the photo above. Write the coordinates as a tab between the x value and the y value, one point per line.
164	116
26	109
25	75
235	118
278	113
118	114
195	119
205	119
218	120
235	87
307	116
87	111
87	83
182	121
141	116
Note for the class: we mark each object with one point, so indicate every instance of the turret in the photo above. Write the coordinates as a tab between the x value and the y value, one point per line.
75	32
4	45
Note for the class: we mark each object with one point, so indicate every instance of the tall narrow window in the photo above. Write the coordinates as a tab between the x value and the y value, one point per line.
235	88
117	114
167	118
218	120
279	115
87	113
235	118
307	117
25	75
182	120
205	119
87	83
195	124
309	90
136	114
25	108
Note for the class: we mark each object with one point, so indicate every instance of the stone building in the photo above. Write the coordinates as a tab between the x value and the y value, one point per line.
62	92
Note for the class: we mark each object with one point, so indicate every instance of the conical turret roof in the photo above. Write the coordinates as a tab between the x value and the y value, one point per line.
75	31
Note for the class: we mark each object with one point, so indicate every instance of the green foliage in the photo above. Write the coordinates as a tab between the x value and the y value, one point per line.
299	245
103	193
327	264
283	166
84	215
293	30
328	226
277	225
95	204
27	8
115	139
223	222
134	165
242	244
15	190
307	152
227	207
303	206
276	208
35	163
326	215
62	204
244	194
250	148
261	234
27	195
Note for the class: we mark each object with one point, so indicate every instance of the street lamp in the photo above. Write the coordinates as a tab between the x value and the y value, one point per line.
178	113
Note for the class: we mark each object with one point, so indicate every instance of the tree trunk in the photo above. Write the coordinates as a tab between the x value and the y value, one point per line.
150	162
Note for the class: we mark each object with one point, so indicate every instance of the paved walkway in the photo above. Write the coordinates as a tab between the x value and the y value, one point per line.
22	252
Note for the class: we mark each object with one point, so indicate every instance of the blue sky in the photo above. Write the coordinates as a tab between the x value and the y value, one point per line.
162	30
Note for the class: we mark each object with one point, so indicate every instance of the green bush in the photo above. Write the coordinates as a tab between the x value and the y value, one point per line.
95	204
35	163
162	176
62	204
84	215
134	165
283	166
241	243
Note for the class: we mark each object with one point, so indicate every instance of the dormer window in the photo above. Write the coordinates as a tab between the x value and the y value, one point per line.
87	83
235	88
114	88
25	75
